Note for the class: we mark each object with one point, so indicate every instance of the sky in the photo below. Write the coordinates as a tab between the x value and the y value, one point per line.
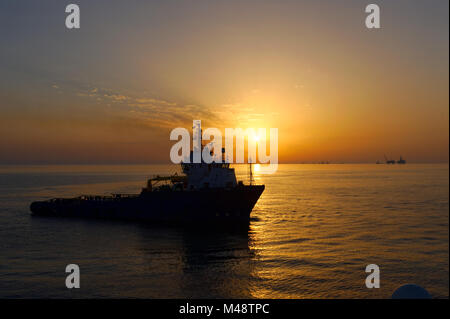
112	91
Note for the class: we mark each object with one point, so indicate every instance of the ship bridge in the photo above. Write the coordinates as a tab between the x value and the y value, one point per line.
209	175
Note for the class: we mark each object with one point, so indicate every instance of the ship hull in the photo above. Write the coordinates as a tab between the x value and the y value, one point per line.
209	205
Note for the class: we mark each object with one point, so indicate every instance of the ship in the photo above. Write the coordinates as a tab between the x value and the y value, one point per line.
205	192
388	161
401	161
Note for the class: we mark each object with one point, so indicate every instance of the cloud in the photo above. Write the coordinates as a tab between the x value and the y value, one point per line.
116	97
153	111
153	101
157	112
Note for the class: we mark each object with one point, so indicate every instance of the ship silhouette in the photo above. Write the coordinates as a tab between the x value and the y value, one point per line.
205	193
390	161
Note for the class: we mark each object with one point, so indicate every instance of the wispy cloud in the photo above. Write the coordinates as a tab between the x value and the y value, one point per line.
154	111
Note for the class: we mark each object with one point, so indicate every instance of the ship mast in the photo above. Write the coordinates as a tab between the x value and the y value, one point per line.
250	173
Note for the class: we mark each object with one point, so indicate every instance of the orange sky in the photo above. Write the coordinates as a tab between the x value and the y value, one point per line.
112	91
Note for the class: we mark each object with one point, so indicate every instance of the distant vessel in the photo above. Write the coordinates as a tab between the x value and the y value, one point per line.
206	193
388	161
401	161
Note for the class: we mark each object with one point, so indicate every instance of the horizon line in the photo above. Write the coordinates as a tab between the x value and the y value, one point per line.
168	163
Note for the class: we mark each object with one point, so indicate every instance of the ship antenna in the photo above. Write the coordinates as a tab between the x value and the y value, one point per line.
250	172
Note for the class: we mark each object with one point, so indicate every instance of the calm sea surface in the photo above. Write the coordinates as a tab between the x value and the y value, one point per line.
312	233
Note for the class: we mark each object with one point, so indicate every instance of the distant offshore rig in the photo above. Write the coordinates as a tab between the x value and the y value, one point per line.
391	161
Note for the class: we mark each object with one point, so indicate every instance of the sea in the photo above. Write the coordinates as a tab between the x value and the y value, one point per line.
312	234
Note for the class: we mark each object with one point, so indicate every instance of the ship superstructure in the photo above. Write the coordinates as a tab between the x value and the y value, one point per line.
206	192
